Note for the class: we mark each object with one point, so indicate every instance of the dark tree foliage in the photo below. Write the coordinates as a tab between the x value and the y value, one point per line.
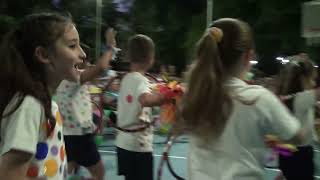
176	25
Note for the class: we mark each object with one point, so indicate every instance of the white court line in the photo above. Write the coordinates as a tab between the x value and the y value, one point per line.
179	157
272	169
174	157
157	155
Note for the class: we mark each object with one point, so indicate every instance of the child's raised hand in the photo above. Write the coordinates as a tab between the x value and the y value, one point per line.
103	61
110	36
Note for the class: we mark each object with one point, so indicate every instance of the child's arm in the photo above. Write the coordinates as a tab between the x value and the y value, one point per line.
152	99
94	71
110	37
14	165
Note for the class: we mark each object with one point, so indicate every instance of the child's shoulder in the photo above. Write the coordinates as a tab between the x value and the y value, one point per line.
26	103
259	94
252	90
31	100
260	91
257	89
267	98
72	89
134	77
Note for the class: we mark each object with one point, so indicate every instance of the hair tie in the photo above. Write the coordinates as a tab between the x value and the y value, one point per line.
216	33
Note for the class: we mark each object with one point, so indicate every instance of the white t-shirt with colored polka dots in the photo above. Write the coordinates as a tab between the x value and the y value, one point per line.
75	106
130	112
25	130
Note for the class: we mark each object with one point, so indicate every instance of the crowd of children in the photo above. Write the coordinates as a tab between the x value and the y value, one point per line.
42	57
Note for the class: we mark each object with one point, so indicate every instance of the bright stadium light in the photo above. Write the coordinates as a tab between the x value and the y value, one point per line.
280	58
253	62
285	60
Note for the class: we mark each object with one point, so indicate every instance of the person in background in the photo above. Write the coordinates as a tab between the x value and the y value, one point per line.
134	150
75	105
297	82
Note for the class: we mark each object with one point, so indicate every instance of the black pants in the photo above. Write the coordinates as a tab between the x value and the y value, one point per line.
135	165
82	150
299	166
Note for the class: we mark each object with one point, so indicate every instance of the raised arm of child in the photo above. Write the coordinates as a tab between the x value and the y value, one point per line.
94	71
152	99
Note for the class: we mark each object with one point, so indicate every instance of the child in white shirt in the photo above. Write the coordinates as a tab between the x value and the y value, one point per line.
297	80
134	150
75	105
227	119
42	51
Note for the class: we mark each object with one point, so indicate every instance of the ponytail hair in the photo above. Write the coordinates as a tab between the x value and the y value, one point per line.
206	90
207	103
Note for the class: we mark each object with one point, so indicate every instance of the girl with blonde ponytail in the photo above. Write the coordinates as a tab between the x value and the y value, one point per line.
226	118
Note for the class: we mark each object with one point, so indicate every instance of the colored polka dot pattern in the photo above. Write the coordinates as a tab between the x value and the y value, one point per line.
75	107
59	118
54	150
129	98
59	135
60	169
51	167
62	153
50	159
70	118
33	171
42	151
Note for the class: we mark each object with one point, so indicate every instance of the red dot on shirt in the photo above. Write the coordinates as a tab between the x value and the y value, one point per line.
129	98
62	153
33	171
